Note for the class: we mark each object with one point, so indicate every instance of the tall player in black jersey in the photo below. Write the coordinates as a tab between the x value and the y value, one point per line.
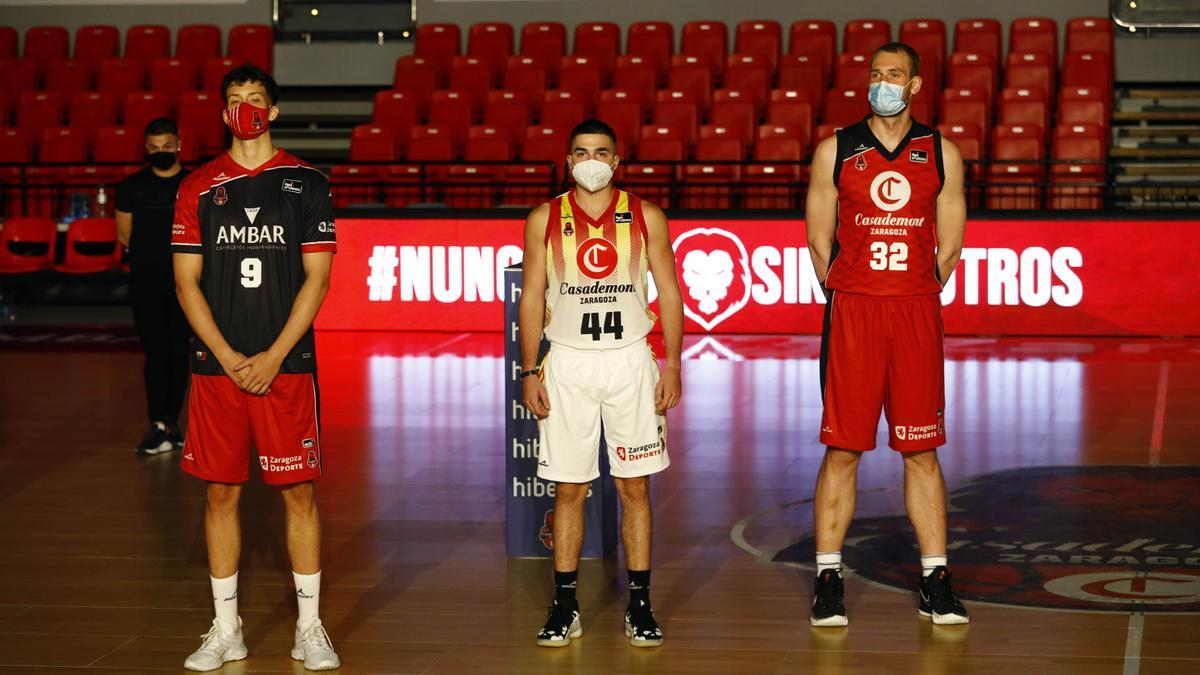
253	241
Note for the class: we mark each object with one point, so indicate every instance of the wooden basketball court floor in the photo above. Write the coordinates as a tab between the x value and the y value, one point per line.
1077	455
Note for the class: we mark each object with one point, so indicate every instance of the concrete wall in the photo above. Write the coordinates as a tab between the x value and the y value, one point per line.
1156	58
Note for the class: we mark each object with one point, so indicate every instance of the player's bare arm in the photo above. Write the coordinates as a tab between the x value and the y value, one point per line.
951	212
670	304
821	209
259	370
532	310
188	269
124	227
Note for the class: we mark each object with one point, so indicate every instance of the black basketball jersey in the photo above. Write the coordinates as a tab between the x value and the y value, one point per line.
253	227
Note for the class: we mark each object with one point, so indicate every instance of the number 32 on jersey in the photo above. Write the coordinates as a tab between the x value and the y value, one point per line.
884	257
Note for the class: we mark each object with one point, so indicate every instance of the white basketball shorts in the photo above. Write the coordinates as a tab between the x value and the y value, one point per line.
587	387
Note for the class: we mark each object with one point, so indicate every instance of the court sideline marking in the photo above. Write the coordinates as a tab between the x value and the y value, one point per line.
1133	640
1160	411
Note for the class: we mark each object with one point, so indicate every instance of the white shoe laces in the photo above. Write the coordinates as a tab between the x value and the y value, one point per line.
212	639
315	637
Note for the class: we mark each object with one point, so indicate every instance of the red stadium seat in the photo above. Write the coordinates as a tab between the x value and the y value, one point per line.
803	71
143	106
508	110
742	96
374	143
1090	34
1033	35
545	41
355	185
1084	105
623	112
973	70
16	146
95	43
678	110
707	185
145	43
492	43
39	110
1012	185
526	184
928	37
18	76
544	144
824	131
1087	69
68	77
479	186
92	110
689	73
736	112
118	144
978	36
1078	185
90	247
562	110
197	43
172	77
201	113
418	75
1030	71
816	38
583	76
844	107
471	76
970	142
654	41
792	108
650	180
761	38
252	43
1024	107
862	36
775	185
5	110
27	245
706	39
44	44
966	105
213	73
62	145
396	109
527	75
453	111
749	73
638	74
425	144
599	41
8	42
121	76
852	70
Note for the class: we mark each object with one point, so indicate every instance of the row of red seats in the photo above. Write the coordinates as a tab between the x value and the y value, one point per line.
90	111
27	245
62	145
194	43
655	40
120	76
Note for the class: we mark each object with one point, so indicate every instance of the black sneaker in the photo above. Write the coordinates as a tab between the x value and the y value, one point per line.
641	627
157	440
938	600
828	608
176	438
562	626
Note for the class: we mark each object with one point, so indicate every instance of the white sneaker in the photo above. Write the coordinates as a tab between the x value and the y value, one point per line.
220	646
314	648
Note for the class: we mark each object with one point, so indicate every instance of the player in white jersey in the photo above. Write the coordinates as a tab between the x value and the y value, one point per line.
587	253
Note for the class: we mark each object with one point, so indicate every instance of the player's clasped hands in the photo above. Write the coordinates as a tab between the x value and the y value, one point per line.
256	373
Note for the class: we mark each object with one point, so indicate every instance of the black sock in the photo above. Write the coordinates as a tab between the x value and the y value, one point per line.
564	587
639	588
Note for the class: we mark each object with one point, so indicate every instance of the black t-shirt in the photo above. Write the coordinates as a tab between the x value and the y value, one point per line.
253	228
151	200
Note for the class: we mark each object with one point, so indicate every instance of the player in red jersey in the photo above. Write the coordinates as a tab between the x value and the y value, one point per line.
253	241
886	216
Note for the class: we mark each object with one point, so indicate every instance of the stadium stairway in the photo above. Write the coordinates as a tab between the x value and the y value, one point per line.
1156	146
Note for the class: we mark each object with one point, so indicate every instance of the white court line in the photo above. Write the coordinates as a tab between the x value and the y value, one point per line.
1160	411
1133	641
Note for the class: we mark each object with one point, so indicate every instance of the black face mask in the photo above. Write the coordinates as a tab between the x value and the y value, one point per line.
162	160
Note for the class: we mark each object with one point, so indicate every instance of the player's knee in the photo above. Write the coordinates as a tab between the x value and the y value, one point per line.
924	461
846	460
222	497
633	489
571	494
300	498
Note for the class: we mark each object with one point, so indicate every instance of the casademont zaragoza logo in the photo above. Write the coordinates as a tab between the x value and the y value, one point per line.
715	270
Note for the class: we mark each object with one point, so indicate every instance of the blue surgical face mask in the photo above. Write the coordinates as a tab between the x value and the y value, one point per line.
886	99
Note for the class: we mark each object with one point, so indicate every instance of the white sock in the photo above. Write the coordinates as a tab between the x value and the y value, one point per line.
928	562
225	592
308	595
829	561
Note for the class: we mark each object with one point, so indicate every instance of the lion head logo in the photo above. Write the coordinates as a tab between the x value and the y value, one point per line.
715	271
546	533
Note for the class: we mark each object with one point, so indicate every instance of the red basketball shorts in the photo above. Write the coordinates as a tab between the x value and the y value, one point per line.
880	352
224	422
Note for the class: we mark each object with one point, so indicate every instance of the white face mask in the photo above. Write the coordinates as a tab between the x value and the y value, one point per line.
886	98
592	174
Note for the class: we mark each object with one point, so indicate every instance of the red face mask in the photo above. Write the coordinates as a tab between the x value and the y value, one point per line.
247	121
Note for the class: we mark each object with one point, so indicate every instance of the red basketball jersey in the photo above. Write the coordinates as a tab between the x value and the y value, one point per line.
886	241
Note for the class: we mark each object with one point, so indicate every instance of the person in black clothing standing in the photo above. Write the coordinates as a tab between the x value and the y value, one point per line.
145	210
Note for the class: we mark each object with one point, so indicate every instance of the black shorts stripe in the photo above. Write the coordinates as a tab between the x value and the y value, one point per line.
825	339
